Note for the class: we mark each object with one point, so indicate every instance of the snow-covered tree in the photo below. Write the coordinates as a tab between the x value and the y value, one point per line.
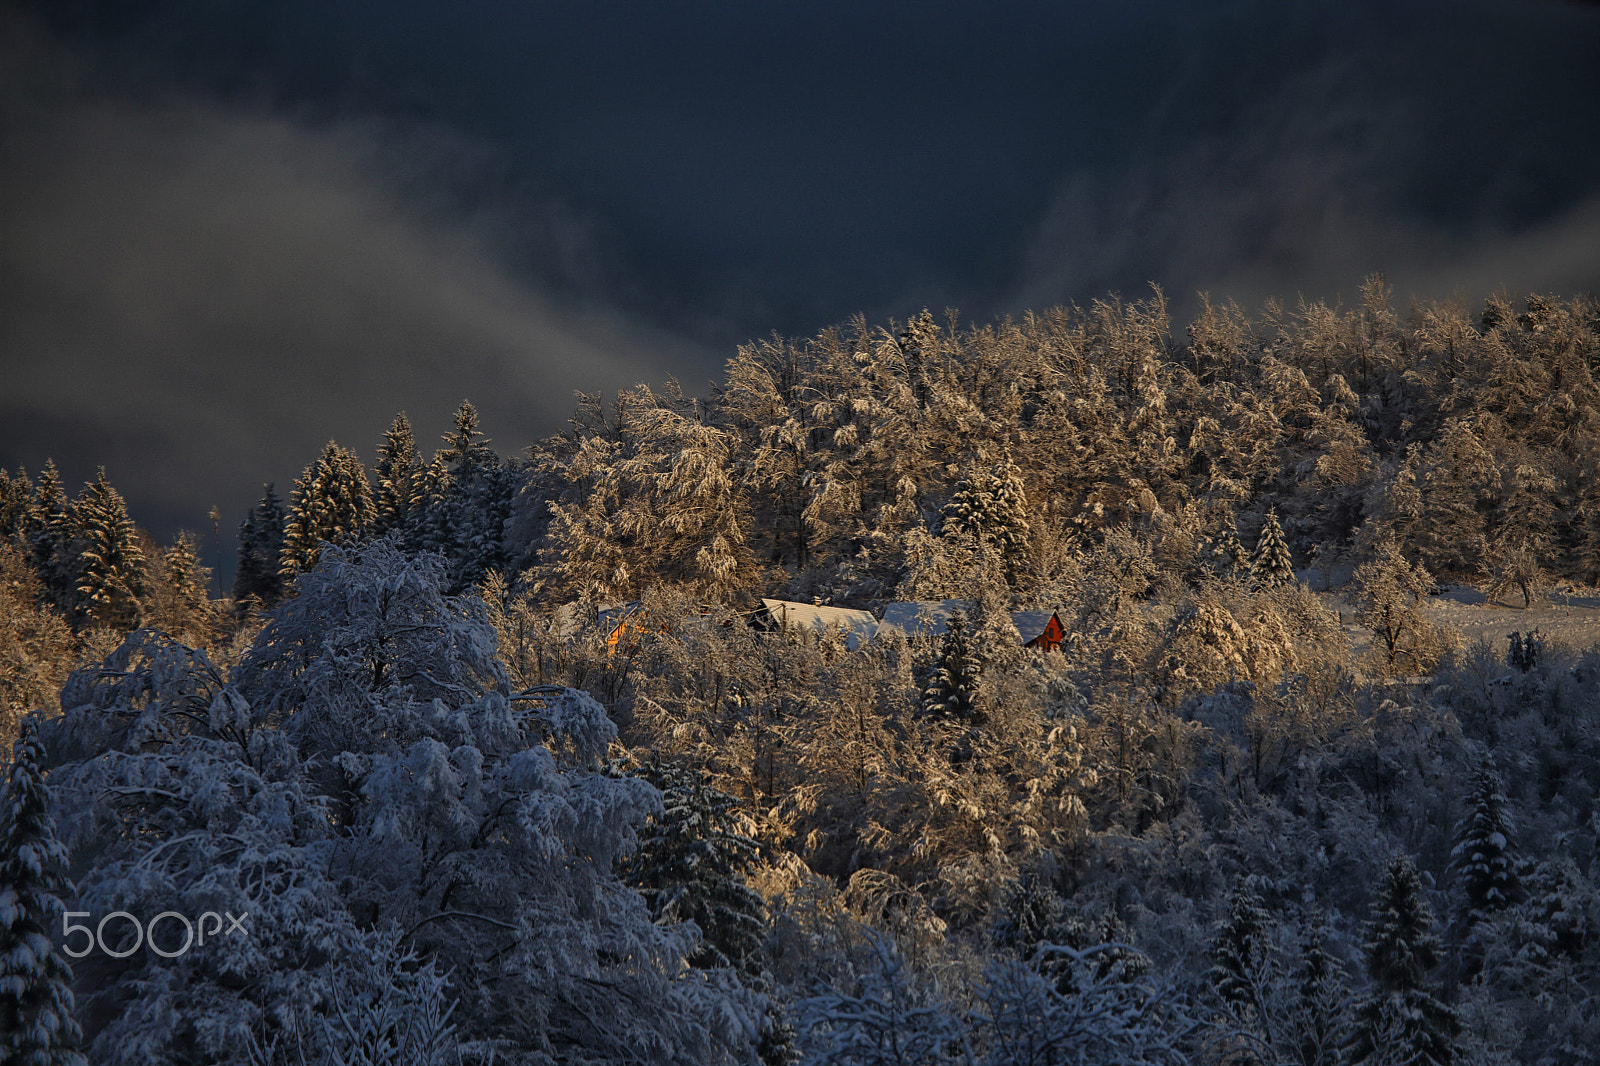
1390	591
37	1027
471	501
1245	967
952	690
175	593
1400	1020
691	866
332	503
110	563
259	578
51	539
35	646
1482	855
1318	1019
399	474
990	510
1270	563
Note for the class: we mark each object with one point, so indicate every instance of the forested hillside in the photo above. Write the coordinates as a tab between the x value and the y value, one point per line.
472	809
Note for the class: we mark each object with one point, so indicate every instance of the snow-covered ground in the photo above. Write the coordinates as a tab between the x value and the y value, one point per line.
1568	615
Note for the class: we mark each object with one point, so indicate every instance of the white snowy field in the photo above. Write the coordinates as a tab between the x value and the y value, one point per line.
1567	615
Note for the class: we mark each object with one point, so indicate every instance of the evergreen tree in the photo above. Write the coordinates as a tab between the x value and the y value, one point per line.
990	510
16	507
691	866
50	537
400	477
332	503
1319	1016
953	691
176	602
1227	553
475	492
36	1023
1271	564
1242	950
1400	1021
259	578
110	563
1482	856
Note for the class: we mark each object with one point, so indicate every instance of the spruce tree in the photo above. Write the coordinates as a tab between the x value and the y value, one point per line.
1319	1014
332	503
1400	1020
953	690
50	536
258	579
36	1023
1271	564
400	477
16	507
990	509
470	521
1242	950
1482	856
1227	553
691	866
110	563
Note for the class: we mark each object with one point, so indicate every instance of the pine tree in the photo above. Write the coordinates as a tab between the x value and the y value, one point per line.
400	477
1482	857
332	503
50	537
990	510
1271	564
953	691
1319	1015
36	1023
259	579
469	519
111	565
16	507
1242	950
1400	1020
176	602
691	866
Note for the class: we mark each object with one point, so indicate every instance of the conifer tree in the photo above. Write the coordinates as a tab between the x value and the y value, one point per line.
1242	950
953	691
50	536
176	602
400	477
16	506
110	563
990	510
259	579
36	1023
1227	553
691	866
1400	1020
331	502
474	501
1482	855
1319	1015
1271	564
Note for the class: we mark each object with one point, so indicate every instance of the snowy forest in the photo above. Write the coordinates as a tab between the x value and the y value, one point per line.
483	760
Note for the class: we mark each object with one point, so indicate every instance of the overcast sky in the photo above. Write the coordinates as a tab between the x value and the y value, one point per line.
231	230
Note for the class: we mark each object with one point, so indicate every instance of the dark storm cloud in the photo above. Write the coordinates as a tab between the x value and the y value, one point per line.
233	230
198	297
1456	155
